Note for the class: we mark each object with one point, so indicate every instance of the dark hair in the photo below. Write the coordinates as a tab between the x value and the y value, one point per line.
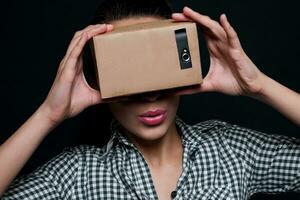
93	132
111	10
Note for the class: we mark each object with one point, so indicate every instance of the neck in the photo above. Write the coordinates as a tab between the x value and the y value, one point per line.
162	151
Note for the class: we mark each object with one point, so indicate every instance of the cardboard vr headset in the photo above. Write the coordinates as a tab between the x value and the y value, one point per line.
147	57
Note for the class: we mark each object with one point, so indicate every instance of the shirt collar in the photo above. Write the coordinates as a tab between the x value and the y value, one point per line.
189	137
186	132
117	133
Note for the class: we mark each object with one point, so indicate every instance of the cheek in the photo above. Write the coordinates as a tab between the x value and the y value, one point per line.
121	112
174	103
127	115
133	109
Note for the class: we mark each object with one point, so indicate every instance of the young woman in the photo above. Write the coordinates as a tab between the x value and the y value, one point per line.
158	157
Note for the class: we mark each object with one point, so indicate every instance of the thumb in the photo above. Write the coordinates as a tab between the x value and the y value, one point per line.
95	94
206	85
96	97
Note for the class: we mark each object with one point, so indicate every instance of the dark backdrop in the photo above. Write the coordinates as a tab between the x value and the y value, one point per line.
35	35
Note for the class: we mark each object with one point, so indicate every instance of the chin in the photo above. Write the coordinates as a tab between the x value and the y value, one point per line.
152	133
146	119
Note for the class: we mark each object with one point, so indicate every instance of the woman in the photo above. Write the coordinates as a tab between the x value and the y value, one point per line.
157	157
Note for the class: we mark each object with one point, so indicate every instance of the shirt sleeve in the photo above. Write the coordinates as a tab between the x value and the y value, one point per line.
272	162
53	180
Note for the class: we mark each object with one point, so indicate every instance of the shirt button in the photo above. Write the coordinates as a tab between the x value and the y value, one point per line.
173	194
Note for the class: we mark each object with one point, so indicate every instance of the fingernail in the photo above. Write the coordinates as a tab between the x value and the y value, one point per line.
225	16
110	26
100	25
187	8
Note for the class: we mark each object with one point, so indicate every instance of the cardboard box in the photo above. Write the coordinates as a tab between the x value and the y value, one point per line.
147	57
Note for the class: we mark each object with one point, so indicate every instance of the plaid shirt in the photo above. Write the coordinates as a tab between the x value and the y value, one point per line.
220	161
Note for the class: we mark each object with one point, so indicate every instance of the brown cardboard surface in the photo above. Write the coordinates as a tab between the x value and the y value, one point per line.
143	58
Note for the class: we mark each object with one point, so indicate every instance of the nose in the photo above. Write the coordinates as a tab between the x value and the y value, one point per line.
149	96
153	96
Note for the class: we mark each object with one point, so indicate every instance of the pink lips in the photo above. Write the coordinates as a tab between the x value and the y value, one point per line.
152	118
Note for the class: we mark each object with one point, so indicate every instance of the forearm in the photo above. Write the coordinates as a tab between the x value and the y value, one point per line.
64	100
281	98
15	152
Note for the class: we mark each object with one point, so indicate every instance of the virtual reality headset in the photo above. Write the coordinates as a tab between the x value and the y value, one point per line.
147	57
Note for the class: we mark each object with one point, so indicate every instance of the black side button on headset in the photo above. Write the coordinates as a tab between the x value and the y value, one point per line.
184	55
173	194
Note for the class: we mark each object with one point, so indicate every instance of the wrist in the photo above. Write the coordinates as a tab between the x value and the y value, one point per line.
265	83
44	113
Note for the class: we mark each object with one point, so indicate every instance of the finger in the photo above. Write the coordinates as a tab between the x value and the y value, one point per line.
212	25
77	35
201	19
79	64
205	86
69	68
104	29
110	27
94	30
78	48
100	29
180	17
96	96
190	90
73	42
230	32
88	28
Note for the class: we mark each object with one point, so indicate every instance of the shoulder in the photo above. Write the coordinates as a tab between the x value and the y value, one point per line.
71	158
208	128
202	132
84	151
241	138
233	133
227	129
208	125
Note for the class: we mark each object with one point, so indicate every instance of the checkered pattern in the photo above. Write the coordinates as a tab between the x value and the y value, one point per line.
221	161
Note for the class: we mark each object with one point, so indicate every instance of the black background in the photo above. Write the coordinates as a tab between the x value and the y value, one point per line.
35	35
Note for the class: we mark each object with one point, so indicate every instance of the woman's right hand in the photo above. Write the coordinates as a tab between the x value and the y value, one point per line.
70	94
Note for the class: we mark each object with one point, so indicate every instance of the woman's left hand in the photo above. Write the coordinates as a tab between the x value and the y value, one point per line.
231	71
